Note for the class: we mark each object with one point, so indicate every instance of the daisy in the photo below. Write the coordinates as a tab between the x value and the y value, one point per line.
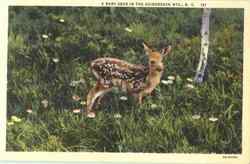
91	115
153	106
45	103
15	119
73	83
45	36
82	81
29	111
61	20
213	119
128	29
196	117
76	110
55	60
171	78
167	82
83	102
123	98
191	86
117	115
10	123
76	97
190	80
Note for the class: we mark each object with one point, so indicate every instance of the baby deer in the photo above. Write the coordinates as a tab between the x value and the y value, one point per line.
137	80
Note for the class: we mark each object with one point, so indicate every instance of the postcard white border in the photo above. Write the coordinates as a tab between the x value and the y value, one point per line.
125	157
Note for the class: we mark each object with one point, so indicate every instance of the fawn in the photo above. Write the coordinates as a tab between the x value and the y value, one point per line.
137	80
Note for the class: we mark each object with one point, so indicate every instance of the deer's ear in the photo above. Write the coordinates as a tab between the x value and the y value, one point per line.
165	51
146	48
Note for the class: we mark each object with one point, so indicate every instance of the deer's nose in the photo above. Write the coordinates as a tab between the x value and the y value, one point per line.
159	69
152	62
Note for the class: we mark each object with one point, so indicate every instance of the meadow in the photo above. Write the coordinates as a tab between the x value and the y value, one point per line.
49	54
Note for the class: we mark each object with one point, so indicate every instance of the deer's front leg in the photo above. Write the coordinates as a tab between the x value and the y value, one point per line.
143	93
97	91
138	97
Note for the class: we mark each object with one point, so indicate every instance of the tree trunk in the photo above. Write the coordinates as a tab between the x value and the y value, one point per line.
204	46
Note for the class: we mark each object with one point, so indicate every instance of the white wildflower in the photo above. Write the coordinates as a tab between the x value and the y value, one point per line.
191	86
82	81
128	29
178	78
45	36
55	60
61	20
10	123
196	117
153	106
190	80
45	103
29	111
171	77
213	119
123	98
117	115
167	82
15	119
76	97
83	102
91	115
73	83
76	110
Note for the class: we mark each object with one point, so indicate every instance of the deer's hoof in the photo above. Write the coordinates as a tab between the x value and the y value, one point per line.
91	115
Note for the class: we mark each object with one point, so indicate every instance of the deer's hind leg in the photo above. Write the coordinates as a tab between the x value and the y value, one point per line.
95	93
98	101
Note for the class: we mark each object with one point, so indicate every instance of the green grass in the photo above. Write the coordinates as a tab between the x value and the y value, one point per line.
174	119
167	127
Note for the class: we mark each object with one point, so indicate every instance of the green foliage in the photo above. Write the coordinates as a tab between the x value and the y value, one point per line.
50	49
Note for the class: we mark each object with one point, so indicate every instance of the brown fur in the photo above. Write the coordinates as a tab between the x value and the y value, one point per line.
137	80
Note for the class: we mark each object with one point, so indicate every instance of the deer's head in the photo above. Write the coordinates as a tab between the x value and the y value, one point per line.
156	57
